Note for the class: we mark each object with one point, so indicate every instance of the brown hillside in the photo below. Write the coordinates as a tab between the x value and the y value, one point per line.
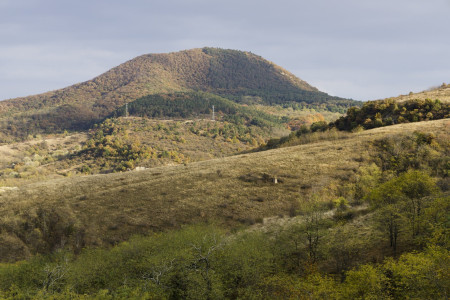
152	74
233	75
101	209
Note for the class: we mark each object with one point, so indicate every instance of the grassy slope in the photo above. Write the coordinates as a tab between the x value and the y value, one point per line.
231	190
442	93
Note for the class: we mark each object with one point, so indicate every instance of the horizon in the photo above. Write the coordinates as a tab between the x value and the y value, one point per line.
24	96
362	51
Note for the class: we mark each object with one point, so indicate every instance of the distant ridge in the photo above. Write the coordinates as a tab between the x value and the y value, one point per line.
441	93
206	69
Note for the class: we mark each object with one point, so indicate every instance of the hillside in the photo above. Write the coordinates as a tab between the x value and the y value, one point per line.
233	191
235	75
125	143
387	112
428	105
211	70
345	215
442	93
126	187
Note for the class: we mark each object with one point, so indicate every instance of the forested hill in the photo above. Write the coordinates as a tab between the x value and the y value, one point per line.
226	72
241	77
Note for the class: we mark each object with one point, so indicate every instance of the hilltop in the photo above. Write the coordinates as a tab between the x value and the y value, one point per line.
241	77
214	70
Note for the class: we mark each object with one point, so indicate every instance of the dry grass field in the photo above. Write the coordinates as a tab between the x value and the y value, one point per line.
229	191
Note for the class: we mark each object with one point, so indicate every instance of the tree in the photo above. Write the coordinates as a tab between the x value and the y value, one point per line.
419	275
204	253
244	263
387	198
364	282
313	226
401	199
344	249
416	186
368	178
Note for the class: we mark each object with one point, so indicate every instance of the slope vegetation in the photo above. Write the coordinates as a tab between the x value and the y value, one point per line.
387	112
124	143
243	189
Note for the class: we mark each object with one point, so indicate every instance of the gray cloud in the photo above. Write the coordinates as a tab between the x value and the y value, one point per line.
352	48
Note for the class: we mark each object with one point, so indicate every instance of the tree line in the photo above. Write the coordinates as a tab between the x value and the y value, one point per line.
388	112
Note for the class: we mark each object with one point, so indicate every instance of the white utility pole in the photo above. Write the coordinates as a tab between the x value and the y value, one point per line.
213	117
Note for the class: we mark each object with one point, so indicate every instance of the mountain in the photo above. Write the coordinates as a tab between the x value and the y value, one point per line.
238	76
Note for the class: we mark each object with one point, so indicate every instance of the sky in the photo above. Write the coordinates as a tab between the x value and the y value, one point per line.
359	49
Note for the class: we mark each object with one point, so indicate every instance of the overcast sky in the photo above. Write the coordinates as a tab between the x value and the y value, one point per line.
360	49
